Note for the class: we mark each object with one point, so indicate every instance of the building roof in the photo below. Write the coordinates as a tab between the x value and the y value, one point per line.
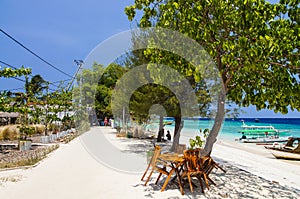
7	114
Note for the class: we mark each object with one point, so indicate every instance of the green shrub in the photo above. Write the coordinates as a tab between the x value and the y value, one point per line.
10	132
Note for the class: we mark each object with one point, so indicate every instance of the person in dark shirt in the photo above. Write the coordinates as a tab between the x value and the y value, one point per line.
168	135
243	136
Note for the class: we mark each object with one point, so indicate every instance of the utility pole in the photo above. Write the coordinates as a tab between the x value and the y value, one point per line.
79	64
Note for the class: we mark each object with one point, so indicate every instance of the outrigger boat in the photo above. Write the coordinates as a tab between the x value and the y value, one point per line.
260	134
289	151
168	122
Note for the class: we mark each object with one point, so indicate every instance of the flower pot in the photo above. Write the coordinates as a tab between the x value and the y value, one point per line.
45	139
25	145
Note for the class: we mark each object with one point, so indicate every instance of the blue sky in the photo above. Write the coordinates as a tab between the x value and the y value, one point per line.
61	31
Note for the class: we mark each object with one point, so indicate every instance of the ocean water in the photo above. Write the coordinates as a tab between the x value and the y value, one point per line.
230	128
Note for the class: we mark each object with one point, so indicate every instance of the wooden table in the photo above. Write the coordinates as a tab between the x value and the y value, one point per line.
175	161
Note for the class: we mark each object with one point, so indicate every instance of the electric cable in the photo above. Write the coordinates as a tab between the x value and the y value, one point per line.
34	53
52	83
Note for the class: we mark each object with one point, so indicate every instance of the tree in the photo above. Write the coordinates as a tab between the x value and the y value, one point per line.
146	97
9	72
93	96
253	44
6	100
25	130
36	85
157	74
106	85
84	95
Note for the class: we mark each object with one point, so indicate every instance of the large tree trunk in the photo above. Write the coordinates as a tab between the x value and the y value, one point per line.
177	130
212	136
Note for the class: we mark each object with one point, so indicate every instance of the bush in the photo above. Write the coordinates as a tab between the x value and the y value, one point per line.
1	134
53	127
10	132
84	127
39	128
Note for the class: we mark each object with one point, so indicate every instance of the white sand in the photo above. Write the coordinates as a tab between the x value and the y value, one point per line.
259	161
72	172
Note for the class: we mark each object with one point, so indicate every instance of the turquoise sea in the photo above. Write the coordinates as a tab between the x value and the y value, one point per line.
230	127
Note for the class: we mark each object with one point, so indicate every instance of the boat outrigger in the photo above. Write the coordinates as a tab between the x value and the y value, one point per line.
260	134
289	151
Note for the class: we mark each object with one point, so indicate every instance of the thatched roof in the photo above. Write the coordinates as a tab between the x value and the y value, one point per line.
7	114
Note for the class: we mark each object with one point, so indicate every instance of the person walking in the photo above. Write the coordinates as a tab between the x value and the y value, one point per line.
105	121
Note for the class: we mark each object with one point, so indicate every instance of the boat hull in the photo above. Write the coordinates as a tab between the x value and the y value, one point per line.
284	154
264	140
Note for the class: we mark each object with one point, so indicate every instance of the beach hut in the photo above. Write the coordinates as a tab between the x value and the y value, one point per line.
8	118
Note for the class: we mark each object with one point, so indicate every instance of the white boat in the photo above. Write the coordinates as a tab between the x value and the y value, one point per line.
279	154
260	134
264	140
288	152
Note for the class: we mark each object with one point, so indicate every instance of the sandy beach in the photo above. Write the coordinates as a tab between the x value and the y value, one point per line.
77	170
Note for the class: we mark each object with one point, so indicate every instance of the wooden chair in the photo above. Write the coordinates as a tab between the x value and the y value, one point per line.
193	168
156	165
208	164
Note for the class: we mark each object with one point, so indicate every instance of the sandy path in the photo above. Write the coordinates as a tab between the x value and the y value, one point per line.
70	172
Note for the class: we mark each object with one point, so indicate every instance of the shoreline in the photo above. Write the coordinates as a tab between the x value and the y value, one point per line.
71	172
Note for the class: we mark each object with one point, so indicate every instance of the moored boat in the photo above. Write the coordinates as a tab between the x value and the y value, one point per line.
264	140
260	134
289	151
168	122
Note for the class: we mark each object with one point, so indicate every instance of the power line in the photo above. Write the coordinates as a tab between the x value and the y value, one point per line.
12	89
22	80
34	53
13	68
65	80
79	63
52	83
8	65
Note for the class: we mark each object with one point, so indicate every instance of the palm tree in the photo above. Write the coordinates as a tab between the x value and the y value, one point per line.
35	86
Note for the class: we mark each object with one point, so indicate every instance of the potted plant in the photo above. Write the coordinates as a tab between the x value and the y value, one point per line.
118	128
25	132
198	142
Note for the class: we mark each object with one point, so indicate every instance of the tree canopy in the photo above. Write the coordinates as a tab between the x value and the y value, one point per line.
254	44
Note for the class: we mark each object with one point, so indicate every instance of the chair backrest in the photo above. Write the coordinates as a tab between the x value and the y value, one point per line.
207	164
192	157
156	153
